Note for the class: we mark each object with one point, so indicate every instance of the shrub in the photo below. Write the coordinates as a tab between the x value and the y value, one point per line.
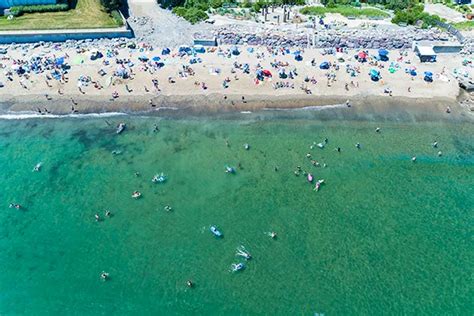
19	10
117	17
216	3
331	4
246	4
193	15
110	5
415	14
168	4
258	5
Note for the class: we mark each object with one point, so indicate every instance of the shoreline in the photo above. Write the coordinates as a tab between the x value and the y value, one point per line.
386	107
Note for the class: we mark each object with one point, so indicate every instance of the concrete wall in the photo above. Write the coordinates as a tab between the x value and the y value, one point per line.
61	36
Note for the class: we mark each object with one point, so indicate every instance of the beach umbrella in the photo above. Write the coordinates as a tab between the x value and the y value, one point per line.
298	57
184	49
199	49
250	50
428	76
235	51
267	73
165	51
374	74
383	52
413	72
362	55
324	65
143	58
60	61
156	58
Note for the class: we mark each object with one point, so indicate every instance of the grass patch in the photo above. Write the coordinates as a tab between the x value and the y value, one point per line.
345	11
86	14
464	26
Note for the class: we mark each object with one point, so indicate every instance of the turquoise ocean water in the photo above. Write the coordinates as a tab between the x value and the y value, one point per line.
384	235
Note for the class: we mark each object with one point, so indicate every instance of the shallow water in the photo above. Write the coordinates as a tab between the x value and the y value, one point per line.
383	235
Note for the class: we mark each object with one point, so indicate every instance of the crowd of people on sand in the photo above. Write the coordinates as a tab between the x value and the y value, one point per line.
118	66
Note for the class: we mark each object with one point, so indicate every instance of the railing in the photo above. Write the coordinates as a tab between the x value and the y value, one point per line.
452	30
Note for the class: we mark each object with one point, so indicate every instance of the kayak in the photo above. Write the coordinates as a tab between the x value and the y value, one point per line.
215	231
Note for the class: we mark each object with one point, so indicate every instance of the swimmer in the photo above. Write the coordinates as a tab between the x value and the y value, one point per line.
137	174
440	153
189	283
348	104
413	159
273	235
104	275
435	145
108	213
377	130
358	145
308	155
338	149
97	217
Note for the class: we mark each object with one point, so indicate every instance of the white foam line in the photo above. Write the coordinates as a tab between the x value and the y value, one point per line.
306	108
34	115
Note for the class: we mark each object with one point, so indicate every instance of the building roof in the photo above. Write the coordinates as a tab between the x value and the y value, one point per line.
426	50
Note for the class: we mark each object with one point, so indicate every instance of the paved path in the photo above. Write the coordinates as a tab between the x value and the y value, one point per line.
443	11
158	25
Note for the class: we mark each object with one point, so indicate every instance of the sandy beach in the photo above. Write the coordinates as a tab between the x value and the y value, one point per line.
143	79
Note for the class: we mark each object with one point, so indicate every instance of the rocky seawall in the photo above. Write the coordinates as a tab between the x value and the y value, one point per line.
371	38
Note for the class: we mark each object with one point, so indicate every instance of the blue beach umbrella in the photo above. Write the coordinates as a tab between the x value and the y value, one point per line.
156	58
235	51
324	65
166	51
199	49
60	61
